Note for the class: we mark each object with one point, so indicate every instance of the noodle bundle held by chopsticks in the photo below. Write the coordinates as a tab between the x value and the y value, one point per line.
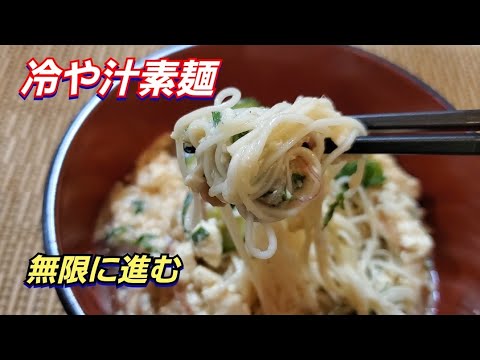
268	162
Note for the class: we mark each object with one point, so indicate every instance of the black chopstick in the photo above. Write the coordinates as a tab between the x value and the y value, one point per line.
459	143
434	120
442	144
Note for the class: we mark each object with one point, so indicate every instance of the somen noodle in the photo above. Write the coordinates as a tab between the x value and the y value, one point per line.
268	166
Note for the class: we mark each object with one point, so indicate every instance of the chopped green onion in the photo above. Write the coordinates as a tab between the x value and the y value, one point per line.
246	103
186	205
286	195
199	234
339	201
217	117
347	170
116	232
238	136
138	206
190	161
143	241
373	175
227	242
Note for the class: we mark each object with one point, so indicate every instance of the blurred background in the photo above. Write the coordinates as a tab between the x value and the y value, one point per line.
30	132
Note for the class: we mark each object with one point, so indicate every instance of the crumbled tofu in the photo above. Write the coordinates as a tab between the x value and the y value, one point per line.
203	277
209	248
185	251
400	223
222	301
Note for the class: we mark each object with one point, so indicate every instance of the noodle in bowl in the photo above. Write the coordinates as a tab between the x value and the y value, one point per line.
267	223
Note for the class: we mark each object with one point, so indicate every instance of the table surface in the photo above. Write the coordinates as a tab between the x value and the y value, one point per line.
31	130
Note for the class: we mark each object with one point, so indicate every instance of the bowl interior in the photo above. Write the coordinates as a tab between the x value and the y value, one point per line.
114	133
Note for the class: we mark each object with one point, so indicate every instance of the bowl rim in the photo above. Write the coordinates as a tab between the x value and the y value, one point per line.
66	295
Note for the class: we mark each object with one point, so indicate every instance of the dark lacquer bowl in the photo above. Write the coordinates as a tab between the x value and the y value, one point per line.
106	137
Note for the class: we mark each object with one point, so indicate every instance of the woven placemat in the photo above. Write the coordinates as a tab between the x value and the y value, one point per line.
31	130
